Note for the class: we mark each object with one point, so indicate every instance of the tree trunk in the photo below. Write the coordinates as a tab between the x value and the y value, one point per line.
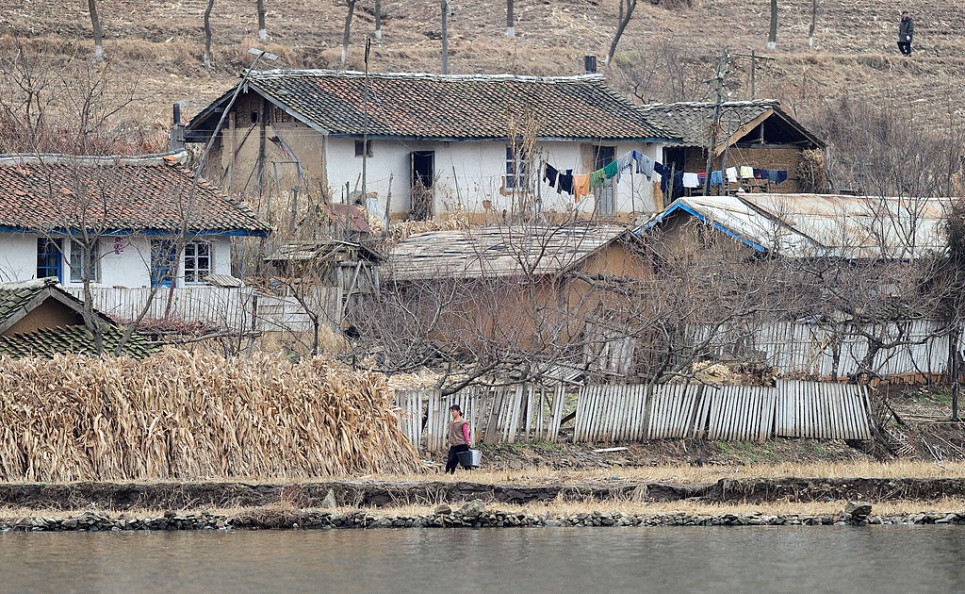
444	7
510	20
378	20
630	6
262	28
814	22
207	34
95	22
347	32
772	35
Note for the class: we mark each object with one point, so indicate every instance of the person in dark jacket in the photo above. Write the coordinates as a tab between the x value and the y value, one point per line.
906	30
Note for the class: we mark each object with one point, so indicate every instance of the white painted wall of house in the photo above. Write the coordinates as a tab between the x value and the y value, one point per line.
126	266
467	173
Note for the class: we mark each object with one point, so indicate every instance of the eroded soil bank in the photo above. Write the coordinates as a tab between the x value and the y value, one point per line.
379	494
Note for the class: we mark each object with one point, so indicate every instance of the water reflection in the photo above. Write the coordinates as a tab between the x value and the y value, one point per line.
765	559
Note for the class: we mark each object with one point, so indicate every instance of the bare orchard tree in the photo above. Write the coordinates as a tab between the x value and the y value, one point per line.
347	31
626	13
772	29
378	20
262	27
207	34
510	19
95	23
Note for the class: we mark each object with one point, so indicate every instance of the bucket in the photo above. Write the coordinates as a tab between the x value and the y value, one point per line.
470	459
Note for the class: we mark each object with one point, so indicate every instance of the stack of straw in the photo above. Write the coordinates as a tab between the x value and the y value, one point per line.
181	415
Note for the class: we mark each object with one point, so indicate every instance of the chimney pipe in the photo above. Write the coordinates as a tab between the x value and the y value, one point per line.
589	64
176	141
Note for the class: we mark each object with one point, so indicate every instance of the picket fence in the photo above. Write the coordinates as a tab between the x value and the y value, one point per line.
625	412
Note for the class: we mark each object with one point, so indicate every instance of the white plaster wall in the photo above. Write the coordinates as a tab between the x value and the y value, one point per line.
469	173
18	256
124	261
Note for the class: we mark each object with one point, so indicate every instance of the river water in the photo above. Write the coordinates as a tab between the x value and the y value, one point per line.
879	559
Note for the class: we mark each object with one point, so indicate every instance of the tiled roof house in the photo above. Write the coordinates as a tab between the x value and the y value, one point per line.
40	319
756	134
144	221
434	143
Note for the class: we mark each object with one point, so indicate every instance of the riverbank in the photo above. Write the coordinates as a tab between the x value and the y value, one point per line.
471	515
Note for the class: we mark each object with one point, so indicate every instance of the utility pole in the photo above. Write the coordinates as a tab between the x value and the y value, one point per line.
365	125
445	36
722	68
754	58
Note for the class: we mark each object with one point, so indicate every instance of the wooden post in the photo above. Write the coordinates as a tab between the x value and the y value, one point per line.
444	21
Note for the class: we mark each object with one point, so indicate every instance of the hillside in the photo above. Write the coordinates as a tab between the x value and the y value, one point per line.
665	55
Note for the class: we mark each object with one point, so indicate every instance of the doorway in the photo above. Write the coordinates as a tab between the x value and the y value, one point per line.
606	202
422	171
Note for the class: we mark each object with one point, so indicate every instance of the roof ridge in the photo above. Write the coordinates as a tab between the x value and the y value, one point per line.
280	72
152	159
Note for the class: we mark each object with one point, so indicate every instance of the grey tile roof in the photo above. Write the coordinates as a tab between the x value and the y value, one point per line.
17	298
438	106
47	342
496	252
691	120
58	192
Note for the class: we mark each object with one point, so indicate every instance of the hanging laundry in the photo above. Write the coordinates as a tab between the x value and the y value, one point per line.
691	180
550	175
625	160
747	172
701	177
732	175
598	179
611	170
581	186
760	174
776	176
716	178
645	164
565	182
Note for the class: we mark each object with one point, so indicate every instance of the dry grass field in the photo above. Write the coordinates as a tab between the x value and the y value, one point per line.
665	54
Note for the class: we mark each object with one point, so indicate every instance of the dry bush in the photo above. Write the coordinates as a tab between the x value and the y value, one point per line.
191	415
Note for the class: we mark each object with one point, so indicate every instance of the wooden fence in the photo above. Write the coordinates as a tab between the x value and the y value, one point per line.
503	415
236	309
625	412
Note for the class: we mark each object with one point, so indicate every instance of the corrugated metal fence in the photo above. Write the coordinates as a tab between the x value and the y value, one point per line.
624	412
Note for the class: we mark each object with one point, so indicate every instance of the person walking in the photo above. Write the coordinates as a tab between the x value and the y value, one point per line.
458	438
906	30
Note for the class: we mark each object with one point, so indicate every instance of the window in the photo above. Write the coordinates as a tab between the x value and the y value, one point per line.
359	148
79	272
49	259
197	261
164	263
515	168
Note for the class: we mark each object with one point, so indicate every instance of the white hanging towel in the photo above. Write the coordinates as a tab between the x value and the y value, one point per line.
747	172
732	174
691	180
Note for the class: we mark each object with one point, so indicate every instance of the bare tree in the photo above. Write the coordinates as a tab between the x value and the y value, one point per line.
814	23
96	25
510	19
347	31
626	13
772	31
378	20
262	27
207	34
444	27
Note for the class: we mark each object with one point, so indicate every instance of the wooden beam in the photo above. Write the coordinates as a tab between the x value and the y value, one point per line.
742	131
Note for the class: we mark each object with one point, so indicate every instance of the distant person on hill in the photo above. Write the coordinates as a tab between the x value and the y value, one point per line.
906	30
458	438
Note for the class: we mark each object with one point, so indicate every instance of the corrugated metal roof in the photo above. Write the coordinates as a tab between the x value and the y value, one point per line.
496	252
808	225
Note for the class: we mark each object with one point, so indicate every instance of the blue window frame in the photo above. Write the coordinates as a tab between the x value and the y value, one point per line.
164	263
50	259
